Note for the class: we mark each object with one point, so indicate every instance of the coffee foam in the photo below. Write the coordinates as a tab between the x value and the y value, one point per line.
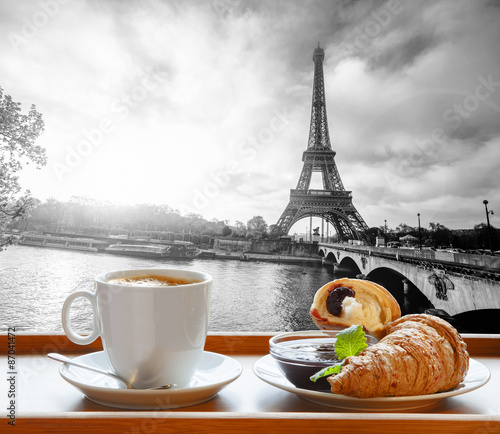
152	280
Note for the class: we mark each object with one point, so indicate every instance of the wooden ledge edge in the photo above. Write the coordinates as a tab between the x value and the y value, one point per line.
334	415
251	423
219	342
40	344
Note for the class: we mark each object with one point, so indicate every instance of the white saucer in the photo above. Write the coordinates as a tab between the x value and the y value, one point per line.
214	373
267	370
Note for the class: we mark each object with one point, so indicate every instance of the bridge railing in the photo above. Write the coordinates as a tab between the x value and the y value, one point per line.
486	261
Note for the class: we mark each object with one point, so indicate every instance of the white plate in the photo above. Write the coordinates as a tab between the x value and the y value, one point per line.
214	373
267	370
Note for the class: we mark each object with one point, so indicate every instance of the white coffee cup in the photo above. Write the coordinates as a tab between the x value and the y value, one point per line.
152	335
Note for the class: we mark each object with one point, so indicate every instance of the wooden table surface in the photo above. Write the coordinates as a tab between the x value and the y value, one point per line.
45	403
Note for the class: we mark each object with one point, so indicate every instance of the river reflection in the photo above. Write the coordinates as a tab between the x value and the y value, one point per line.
247	296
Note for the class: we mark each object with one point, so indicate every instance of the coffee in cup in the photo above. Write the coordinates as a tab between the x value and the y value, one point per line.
153	323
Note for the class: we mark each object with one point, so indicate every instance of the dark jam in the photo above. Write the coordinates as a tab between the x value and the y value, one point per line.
299	376
335	299
300	360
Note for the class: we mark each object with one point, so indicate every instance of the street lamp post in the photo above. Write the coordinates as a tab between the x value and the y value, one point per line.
419	233
385	233
488	222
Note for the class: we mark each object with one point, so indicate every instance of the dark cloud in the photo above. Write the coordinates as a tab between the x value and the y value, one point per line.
404	53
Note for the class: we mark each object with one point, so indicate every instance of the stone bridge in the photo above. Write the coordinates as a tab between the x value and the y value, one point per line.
423	279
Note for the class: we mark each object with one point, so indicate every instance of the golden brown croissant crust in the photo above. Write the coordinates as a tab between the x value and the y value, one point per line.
421	354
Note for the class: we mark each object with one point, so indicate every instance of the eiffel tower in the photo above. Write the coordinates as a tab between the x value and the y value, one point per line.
333	203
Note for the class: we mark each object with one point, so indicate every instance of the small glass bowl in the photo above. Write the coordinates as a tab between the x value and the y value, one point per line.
301	354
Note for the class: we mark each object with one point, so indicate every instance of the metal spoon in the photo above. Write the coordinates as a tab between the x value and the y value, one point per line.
64	359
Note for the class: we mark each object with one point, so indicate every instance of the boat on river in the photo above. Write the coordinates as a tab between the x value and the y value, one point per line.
55	242
174	250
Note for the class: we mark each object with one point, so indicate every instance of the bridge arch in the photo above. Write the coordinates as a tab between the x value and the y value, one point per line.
331	258
328	257
349	266
406	293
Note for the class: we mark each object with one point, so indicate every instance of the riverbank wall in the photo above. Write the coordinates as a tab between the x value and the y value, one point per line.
261	257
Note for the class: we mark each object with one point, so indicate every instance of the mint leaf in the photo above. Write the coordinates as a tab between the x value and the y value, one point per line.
326	372
350	342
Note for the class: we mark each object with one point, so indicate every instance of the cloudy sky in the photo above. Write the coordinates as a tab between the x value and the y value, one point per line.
205	105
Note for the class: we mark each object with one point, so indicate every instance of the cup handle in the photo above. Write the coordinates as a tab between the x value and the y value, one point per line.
66	320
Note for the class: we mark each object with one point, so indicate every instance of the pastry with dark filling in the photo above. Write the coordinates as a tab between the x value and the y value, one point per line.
345	302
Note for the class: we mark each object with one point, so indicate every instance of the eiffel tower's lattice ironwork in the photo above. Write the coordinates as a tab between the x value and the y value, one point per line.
333	203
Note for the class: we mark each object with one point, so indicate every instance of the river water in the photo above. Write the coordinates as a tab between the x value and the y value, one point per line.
247	296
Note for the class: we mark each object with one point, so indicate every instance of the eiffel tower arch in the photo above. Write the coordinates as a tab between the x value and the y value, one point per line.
333	203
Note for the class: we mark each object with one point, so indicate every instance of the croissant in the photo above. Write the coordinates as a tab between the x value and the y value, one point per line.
344	302
421	354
